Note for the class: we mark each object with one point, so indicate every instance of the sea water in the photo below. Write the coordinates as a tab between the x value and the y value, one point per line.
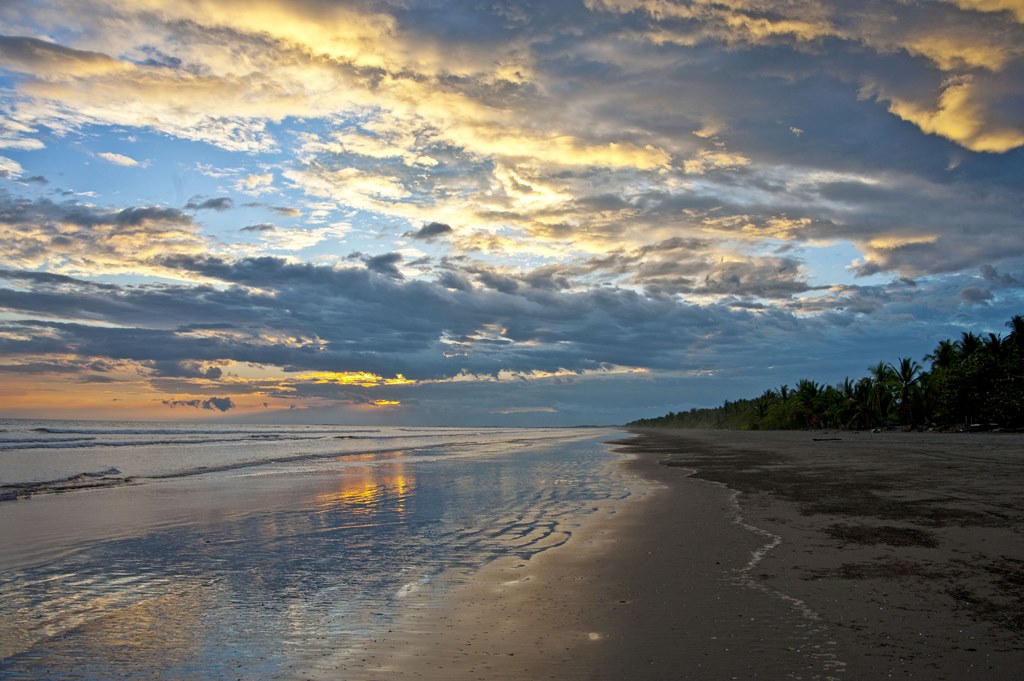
223	552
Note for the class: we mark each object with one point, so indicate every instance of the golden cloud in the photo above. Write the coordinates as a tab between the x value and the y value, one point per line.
364	379
708	159
1016	7
48	236
888	243
976	39
961	115
54	62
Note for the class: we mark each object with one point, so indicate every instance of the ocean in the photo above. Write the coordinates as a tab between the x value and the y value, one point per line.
198	551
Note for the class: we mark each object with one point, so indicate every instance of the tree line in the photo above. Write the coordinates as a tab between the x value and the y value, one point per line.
975	382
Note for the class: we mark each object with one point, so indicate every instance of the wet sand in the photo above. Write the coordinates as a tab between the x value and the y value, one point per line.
791	555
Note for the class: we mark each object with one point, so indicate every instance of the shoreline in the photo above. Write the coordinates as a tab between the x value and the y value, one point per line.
905	545
634	595
755	555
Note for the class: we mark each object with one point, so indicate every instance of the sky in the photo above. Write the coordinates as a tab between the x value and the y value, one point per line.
495	212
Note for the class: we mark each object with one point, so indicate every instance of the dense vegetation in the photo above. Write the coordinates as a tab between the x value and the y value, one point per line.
976	381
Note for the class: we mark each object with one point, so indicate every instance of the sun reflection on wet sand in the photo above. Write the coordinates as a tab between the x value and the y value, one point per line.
365	491
261	575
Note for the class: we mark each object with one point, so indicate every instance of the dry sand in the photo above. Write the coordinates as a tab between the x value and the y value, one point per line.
790	555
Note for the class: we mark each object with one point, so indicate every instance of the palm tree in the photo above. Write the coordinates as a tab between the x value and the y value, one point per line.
994	346
881	396
845	409
785	404
969	344
1016	337
944	355
905	379
862	407
762	403
808	402
832	405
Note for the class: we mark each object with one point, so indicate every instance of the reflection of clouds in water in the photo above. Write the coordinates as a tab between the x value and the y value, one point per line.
372	490
80	614
298	567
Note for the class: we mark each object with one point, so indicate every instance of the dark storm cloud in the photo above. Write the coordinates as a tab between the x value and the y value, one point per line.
57	296
497	281
62	366
430	231
44	280
386	264
357	319
454	280
31	213
976	295
997	278
765	278
681	265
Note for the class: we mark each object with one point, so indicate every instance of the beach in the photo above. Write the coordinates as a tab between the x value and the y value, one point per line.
263	552
568	554
782	555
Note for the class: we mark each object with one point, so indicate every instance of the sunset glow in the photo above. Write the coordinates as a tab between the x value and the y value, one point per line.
583	211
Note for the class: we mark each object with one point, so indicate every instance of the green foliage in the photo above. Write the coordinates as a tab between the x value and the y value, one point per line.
973	380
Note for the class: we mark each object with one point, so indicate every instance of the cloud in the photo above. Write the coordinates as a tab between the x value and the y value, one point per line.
59	366
321	318
184	369
55	62
75	236
710	160
219	204
615	185
976	295
968	111
386	264
328	70
996	278
121	159
212	403
274	238
1013	6
430	231
530	342
10	169
255	183
979	53
525	410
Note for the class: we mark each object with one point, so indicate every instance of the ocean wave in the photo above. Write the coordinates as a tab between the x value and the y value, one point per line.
87	479
68	443
114	477
183	431
106	478
29	440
